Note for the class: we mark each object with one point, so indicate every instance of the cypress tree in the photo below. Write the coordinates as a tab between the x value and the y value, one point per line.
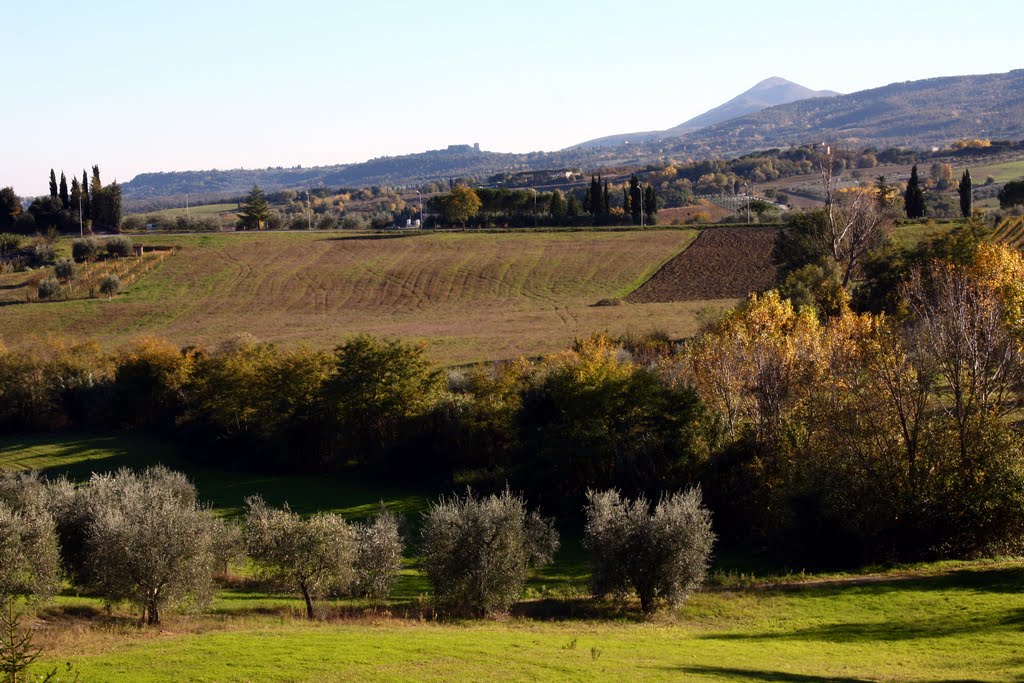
53	184
99	209
595	196
606	201
586	196
65	201
635	198
913	199
86	197
650	204
625	201
966	195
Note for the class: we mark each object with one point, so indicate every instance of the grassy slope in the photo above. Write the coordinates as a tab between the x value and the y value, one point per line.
938	623
475	297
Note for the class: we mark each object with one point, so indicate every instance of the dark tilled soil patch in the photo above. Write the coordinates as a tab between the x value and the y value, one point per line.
722	263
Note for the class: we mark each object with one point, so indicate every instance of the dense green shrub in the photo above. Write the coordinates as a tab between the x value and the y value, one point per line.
48	288
119	246
661	554
9	244
64	269
477	551
110	285
85	249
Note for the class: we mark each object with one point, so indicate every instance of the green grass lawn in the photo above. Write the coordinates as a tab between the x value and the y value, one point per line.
1010	170
939	622
960	625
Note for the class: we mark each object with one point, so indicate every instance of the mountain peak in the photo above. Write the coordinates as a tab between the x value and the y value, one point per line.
770	92
773	82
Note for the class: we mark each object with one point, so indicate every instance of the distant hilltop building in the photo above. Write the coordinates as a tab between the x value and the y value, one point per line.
475	147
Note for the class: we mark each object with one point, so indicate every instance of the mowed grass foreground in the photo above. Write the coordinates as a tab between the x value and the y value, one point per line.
474	297
938	623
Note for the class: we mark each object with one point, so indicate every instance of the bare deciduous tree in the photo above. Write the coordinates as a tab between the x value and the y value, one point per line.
856	221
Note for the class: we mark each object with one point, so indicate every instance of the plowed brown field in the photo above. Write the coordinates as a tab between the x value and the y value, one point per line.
474	297
722	263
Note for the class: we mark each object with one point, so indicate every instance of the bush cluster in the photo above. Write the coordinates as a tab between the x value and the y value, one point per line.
477	551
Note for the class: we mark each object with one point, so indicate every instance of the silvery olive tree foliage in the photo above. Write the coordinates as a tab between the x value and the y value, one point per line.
314	556
477	551
148	540
662	554
379	556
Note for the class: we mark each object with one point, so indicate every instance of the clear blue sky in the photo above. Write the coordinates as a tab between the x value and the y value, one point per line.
149	86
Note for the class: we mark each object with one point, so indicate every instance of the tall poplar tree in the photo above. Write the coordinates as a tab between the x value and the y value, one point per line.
966	194
913	199
65	200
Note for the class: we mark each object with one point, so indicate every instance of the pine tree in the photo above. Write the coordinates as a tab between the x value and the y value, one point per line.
255	210
65	201
53	184
913	199
966	194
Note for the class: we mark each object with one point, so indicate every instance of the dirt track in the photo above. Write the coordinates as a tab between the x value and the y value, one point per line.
721	263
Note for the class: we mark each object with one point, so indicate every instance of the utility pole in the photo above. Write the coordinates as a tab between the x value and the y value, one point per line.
534	207
423	223
309	212
186	209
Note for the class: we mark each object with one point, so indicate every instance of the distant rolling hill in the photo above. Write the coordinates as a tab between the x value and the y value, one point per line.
768	93
936	111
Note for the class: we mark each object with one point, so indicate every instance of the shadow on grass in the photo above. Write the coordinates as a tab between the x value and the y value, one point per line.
996	580
887	631
561	609
772	676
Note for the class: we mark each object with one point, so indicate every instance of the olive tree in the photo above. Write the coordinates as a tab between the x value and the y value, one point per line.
148	541
85	249
314	556
661	554
477	551
29	556
379	556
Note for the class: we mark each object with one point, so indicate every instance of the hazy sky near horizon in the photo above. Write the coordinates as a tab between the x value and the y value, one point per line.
186	85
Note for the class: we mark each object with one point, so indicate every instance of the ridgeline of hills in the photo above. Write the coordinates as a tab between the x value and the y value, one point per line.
768	93
920	114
